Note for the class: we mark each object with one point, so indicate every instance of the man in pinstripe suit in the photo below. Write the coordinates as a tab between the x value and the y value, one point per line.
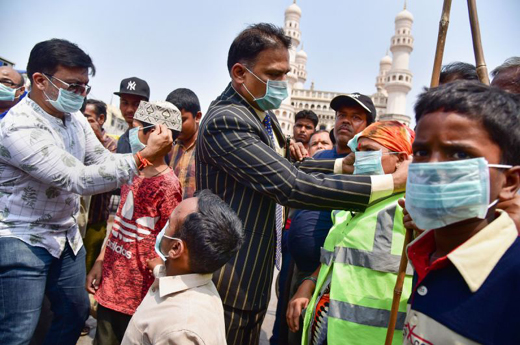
240	158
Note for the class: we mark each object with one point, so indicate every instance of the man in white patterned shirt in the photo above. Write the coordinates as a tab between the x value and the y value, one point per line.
49	156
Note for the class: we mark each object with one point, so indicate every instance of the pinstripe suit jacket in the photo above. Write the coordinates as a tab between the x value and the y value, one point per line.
236	159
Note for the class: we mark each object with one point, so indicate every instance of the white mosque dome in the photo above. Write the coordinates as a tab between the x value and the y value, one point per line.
386	60
293	9
301	54
404	15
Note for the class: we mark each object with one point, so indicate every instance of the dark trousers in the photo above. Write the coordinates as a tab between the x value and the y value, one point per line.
111	326
243	326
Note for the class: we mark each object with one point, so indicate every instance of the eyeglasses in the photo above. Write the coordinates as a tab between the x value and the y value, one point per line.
76	88
8	83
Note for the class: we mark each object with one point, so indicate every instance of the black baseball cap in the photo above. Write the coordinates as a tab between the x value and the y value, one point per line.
134	86
355	99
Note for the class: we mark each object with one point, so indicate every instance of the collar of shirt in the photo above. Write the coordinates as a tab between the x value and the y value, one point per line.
474	259
174	284
178	143
63	122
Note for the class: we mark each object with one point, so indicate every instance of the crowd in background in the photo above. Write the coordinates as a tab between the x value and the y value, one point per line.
209	206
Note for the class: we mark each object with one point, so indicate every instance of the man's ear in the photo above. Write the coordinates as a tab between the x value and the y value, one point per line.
101	119
401	157
176	250
39	80
198	116
238	72
511	184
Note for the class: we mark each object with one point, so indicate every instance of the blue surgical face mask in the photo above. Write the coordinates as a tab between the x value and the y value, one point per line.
440	194
275	92
133	136
159	238
7	94
67	101
368	163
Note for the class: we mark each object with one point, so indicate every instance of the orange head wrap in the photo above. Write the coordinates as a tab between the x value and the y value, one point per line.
391	134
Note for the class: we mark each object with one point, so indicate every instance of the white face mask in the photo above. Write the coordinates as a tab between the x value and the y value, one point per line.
67	101
440	194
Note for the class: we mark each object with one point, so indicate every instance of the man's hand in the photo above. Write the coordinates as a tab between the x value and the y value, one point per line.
298	151
408	221
348	163
159	143
94	277
512	207
299	302
96	127
154	262
400	175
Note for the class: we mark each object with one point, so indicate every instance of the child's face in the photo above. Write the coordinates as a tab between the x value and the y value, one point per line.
446	136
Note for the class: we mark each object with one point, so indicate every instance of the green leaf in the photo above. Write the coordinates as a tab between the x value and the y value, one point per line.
105	175
52	192
4	152
28	167
68	160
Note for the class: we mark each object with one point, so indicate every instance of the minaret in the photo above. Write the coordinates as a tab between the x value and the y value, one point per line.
285	114
399	78
301	62
380	98
293	14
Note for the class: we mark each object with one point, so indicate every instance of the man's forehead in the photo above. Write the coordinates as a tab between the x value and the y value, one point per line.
10	73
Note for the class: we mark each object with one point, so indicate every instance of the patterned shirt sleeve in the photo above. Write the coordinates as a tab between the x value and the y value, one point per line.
35	151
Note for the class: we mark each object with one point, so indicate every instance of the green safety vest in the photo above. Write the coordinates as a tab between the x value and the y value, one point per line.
360	258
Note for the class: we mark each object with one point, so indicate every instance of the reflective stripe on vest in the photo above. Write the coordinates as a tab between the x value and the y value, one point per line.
363	315
380	258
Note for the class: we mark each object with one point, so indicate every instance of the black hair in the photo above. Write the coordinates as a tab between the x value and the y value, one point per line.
512	62
497	110
184	99
307	114
320	131
46	56
458	71
213	234
175	134
253	40
99	106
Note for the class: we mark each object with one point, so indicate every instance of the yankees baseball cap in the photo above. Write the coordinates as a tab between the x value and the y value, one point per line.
134	86
355	99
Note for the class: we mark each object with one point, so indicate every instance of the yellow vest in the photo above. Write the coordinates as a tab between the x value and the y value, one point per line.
360	258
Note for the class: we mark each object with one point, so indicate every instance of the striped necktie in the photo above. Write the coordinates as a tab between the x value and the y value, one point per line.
279	208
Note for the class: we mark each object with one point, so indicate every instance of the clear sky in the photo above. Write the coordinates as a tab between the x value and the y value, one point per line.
174	43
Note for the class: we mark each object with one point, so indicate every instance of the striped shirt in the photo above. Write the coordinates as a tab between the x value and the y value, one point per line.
183	164
237	160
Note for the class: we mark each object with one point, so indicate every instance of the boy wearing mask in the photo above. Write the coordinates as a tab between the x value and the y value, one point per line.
120	277
467	263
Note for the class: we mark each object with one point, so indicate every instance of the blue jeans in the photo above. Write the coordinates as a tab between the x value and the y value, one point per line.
26	274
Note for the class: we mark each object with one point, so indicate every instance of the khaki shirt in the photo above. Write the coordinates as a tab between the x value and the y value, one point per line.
183	309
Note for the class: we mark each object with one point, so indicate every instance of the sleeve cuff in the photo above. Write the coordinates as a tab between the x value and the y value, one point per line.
338	166
382	186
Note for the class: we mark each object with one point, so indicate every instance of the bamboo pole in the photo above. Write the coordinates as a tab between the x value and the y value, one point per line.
477	43
441	41
398	290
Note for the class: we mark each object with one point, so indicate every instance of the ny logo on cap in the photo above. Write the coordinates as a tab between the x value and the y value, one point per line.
355	95
131	85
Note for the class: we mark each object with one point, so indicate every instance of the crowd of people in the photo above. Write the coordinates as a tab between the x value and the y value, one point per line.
209	207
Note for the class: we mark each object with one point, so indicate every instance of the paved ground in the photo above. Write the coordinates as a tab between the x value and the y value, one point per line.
267	326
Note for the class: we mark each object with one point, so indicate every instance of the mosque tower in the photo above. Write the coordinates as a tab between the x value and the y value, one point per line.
399	78
380	98
295	77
